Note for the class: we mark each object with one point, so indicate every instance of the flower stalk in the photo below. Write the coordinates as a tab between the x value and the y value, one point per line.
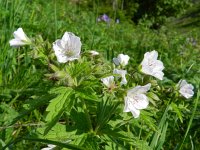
87	115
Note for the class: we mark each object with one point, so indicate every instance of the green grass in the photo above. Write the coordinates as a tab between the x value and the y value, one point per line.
189	21
25	90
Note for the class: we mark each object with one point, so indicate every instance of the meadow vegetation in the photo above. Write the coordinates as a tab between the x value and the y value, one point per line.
45	102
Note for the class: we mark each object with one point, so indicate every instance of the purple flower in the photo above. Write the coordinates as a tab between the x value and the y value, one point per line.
105	18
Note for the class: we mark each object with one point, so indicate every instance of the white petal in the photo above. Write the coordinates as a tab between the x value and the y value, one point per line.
159	65
16	43
135	113
62	58
159	75
126	106
57	47
123	81
116	61
139	89
51	145
187	94
122	73
151	55
108	81
19	34
46	148
129	107
66	36
94	53
182	83
123	59
141	101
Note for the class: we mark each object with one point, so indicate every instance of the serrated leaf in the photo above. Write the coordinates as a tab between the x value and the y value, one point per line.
58	105
153	96
58	132
8	114
80	140
152	101
53	67
87	96
177	111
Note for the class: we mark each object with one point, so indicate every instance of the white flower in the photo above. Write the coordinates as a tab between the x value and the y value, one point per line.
20	38
94	53
108	81
50	147
152	66
136	100
121	60
68	48
122	73
185	89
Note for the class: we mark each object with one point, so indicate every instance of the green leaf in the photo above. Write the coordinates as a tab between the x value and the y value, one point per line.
105	109
153	96
191	119
87	96
8	114
80	140
177	111
120	137
162	137
58	105
157	138
57	132
32	105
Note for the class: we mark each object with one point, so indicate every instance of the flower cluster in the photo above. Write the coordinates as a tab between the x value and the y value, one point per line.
136	98
68	48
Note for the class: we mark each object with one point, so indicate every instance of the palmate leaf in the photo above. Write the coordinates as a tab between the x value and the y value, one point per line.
105	110
58	132
177	111
8	114
118	139
57	105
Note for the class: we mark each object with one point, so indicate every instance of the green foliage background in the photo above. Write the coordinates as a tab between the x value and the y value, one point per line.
26	91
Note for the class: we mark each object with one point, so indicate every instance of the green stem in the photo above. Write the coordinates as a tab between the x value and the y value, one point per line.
128	128
89	122
191	119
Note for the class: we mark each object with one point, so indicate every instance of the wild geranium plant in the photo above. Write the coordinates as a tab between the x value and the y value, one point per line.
89	99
